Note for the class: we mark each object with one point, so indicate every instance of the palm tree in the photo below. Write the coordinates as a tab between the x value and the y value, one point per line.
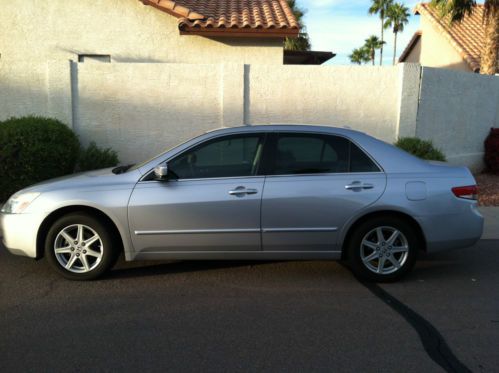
397	17
373	43
381	7
457	10
360	56
302	41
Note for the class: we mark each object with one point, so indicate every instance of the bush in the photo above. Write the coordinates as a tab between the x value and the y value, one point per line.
93	158
33	149
420	148
491	156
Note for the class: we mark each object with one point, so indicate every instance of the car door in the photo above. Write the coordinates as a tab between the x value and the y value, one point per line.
210	202
315	183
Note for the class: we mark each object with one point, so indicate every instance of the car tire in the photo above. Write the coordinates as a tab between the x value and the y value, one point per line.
383	249
81	247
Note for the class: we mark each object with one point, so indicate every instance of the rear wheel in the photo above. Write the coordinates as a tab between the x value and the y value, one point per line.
80	247
383	249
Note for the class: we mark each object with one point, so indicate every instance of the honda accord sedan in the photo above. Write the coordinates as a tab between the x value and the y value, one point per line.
278	192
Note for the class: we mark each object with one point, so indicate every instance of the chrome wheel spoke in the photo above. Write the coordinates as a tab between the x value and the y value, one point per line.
379	235
63	250
394	261
370	244
71	261
84	261
79	236
67	237
91	240
370	257
399	249
393	237
93	253
381	264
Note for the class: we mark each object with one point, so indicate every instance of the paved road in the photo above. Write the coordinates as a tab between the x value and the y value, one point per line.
240	316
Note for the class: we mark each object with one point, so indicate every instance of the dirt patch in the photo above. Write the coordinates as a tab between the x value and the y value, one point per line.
488	189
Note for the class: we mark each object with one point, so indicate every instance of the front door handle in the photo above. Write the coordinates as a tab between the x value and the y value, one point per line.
240	191
356	185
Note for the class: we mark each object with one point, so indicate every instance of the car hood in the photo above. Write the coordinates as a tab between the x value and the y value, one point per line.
85	180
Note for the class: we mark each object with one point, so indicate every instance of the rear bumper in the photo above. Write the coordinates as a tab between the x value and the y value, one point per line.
452	231
19	233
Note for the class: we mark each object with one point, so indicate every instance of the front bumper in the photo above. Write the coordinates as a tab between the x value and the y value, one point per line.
19	231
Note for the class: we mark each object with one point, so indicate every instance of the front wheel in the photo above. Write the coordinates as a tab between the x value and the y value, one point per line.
80	247
383	249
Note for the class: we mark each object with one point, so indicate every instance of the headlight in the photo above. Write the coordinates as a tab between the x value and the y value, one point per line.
19	202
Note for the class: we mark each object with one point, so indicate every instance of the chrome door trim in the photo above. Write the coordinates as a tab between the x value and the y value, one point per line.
275	230
197	231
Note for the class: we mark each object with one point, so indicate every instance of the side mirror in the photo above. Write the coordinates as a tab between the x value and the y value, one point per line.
161	172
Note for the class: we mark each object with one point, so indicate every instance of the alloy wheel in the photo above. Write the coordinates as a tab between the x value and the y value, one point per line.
78	248
384	250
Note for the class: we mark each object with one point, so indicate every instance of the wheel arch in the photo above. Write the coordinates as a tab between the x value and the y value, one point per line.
56	214
391	213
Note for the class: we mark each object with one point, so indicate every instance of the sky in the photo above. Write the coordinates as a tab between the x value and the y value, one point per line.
342	25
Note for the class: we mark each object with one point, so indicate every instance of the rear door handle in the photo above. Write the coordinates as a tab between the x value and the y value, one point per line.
358	185
240	191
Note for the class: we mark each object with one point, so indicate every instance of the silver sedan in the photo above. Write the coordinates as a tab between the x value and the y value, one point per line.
257	193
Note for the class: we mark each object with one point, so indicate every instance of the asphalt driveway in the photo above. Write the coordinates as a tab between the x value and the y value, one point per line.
240	316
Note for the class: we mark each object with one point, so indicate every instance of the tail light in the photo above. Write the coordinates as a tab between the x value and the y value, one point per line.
466	192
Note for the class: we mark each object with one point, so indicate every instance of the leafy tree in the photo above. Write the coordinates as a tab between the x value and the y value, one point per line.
302	41
373	43
397	16
458	9
380	7
360	56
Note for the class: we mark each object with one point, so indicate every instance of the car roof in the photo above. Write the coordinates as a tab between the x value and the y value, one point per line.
289	127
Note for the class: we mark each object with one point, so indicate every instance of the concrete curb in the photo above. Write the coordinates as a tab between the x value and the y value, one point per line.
491	226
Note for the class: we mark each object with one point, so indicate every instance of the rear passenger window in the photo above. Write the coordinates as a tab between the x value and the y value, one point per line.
312	154
360	162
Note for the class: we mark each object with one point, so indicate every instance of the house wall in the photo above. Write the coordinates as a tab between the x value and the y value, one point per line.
141	108
436	50
42	30
414	55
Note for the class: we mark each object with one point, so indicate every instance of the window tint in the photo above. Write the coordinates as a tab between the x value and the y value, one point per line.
360	162
227	157
310	153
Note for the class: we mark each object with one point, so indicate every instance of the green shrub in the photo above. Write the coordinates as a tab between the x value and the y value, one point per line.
94	158
420	148
33	149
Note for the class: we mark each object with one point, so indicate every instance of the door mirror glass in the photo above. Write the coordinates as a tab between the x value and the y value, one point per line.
161	172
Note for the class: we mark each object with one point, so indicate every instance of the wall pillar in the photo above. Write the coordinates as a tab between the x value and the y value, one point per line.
409	88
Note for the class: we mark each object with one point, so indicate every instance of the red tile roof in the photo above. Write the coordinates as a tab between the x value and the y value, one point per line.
231	17
467	36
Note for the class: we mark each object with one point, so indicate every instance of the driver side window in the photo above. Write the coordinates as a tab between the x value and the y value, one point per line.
230	156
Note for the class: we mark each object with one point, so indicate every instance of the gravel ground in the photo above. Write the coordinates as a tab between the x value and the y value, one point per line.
488	193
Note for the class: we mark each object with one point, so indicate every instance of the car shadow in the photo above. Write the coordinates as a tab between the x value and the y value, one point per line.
143	268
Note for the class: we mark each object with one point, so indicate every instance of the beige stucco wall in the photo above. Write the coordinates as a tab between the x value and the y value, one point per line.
456	111
141	108
414	55
436	50
41	30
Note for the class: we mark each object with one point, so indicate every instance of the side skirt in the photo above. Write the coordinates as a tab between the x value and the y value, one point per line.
237	255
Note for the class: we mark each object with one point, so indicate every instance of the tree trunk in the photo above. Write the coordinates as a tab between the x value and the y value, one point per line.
394	47
373	56
490	52
382	35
